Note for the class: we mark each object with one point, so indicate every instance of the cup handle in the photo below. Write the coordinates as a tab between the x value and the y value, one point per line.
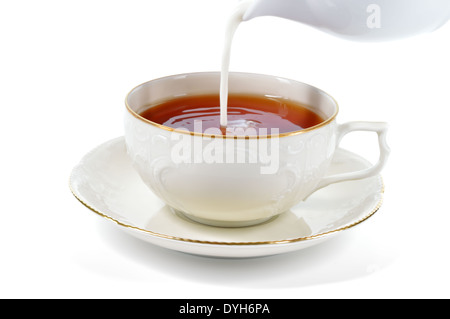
381	129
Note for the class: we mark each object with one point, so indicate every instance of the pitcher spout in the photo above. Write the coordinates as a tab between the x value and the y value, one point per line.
297	10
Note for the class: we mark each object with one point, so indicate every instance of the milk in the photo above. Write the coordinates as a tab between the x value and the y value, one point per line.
232	24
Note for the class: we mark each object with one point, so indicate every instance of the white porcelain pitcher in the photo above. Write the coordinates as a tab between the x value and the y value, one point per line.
359	20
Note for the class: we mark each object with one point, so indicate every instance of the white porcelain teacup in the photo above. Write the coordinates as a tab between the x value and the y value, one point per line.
235	193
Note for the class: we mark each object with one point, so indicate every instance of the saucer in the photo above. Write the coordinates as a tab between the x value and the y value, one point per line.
106	183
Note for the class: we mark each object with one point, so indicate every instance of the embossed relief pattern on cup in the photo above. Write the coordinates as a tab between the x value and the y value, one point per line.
305	158
149	147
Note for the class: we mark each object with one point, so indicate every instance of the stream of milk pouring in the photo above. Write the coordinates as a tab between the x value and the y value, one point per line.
233	22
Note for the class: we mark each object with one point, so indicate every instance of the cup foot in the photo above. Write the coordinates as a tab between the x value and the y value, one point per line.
220	223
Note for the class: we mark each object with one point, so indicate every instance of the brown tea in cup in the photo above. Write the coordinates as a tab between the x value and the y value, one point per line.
244	111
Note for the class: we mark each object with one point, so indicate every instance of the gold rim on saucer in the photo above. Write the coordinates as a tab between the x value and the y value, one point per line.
276	242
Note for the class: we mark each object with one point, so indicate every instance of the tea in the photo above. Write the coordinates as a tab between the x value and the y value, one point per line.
244	111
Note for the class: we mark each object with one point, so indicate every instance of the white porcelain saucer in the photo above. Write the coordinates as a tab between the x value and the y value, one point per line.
106	183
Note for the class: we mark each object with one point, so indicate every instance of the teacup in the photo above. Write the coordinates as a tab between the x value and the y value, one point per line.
232	193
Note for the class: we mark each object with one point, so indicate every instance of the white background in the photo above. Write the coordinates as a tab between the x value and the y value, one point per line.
65	68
